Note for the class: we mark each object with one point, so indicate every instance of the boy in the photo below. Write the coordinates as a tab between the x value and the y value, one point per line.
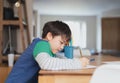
41	55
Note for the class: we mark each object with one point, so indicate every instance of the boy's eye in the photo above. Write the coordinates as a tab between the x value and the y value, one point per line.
61	42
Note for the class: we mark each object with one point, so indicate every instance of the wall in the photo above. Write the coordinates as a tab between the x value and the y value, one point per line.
36	23
91	25
111	13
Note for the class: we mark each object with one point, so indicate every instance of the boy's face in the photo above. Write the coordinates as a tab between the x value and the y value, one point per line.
57	43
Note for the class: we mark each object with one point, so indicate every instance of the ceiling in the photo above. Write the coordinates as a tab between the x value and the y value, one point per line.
74	7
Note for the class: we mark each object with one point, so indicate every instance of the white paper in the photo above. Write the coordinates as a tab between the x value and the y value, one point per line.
90	66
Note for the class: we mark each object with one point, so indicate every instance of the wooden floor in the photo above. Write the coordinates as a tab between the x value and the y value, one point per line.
4	71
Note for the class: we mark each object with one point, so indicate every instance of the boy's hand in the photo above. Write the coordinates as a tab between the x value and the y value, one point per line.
84	61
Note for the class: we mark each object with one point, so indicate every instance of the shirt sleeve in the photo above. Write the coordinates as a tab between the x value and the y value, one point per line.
42	46
47	62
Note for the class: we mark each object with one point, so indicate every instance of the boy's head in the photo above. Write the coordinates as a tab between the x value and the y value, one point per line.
57	33
57	28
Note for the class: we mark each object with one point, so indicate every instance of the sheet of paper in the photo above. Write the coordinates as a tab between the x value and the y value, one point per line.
90	66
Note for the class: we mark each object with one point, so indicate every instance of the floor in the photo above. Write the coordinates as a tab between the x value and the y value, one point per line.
4	71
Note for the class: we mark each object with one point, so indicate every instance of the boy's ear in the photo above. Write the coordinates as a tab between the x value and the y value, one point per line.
49	36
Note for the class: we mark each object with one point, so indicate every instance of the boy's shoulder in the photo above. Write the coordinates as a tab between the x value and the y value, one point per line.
39	40
42	44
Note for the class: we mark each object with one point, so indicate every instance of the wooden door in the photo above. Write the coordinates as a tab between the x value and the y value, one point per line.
111	34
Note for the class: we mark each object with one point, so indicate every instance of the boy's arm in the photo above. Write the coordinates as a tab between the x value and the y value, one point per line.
47	62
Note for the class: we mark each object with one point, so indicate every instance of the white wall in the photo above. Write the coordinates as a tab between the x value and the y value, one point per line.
111	13
91	25
99	35
36	23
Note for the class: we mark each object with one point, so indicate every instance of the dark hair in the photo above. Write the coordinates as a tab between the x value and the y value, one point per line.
57	28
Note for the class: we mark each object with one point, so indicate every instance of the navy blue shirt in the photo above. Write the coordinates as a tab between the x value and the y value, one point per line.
26	68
